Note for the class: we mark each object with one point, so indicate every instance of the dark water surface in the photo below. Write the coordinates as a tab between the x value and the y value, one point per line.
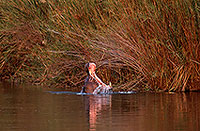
33	108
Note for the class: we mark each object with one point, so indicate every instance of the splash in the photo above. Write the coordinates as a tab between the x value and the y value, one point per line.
107	92
103	89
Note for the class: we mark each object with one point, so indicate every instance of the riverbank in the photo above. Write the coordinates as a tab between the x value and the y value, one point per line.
136	45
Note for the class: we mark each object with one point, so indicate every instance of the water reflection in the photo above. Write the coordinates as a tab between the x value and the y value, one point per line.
30	108
95	105
160	111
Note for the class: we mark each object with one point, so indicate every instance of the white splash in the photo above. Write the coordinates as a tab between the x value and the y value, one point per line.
103	89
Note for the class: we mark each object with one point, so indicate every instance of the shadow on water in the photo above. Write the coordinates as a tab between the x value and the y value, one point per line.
34	108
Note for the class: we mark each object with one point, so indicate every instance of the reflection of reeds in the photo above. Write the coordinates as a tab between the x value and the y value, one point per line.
153	44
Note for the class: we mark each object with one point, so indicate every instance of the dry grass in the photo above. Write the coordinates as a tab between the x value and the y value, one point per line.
136	44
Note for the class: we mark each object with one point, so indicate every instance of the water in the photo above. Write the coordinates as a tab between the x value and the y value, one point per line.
34	108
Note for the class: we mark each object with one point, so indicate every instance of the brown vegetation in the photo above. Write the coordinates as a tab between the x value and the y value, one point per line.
136	44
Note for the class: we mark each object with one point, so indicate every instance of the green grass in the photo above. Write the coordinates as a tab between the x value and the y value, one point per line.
138	44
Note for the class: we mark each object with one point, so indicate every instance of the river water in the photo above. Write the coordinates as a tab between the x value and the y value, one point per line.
34	108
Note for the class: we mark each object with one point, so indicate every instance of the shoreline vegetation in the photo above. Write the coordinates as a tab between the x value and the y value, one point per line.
150	45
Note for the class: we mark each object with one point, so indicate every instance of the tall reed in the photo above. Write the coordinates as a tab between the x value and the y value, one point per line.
137	44
160	40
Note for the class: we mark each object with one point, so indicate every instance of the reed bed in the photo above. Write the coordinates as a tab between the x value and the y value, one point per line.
143	45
